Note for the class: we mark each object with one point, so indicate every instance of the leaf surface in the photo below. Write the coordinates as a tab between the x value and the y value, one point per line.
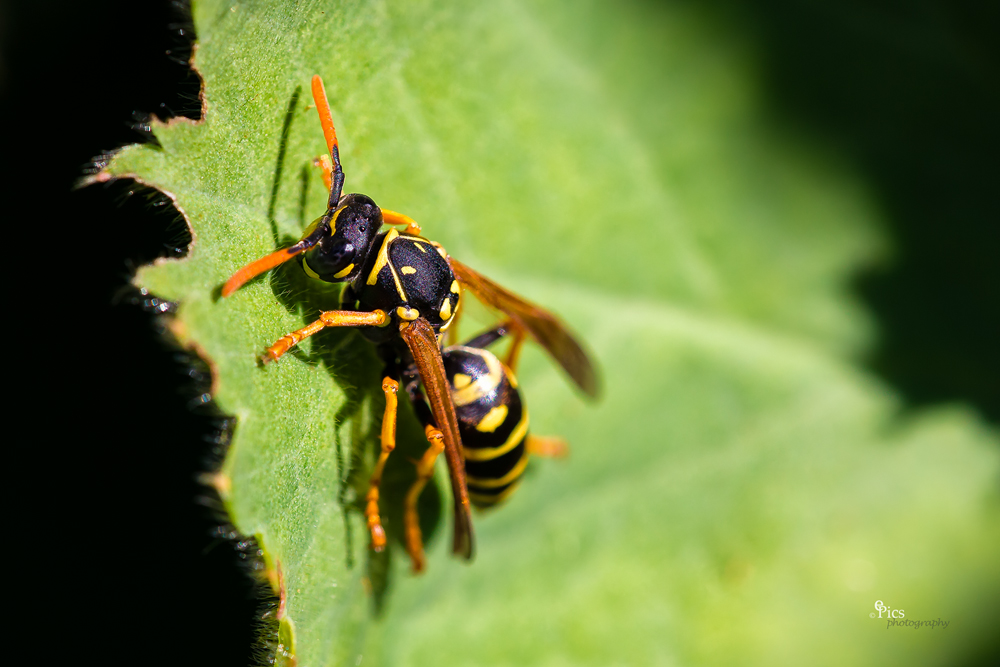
744	493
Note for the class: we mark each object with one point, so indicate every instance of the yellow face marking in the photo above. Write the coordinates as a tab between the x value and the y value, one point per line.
383	256
493	418
484	384
515	472
446	309
315	223
420	247
408	270
333	221
461	380
408	314
347	271
454	287
490	453
308	269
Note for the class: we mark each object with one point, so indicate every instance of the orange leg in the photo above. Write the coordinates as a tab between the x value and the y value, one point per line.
411	520
329	318
389	387
393	218
555	448
514	354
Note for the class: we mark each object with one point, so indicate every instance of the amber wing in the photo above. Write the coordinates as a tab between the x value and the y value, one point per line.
420	338
542	325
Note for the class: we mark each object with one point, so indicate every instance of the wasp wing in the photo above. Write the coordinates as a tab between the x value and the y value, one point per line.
542	325
423	344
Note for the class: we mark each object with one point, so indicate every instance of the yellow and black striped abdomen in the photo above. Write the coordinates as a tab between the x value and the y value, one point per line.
492	420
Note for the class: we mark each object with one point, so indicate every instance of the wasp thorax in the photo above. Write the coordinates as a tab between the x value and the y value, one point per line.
339	255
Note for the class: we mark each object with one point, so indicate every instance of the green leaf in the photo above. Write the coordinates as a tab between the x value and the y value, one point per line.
744	493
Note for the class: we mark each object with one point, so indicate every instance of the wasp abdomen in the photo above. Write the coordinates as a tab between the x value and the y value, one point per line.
492	420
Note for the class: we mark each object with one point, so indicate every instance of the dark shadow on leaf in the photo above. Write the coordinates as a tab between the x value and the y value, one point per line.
304	180
279	166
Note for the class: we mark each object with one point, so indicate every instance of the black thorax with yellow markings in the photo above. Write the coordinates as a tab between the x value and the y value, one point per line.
407	277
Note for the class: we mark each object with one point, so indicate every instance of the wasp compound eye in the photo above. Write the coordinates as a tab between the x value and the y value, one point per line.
358	220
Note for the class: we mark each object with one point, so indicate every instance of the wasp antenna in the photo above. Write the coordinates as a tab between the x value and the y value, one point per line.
254	269
326	120
268	262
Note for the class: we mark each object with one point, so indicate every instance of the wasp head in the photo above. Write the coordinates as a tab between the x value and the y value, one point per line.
350	231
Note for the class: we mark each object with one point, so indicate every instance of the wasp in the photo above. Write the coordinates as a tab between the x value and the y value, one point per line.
404	292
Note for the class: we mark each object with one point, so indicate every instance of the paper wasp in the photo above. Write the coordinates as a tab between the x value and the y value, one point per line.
404	292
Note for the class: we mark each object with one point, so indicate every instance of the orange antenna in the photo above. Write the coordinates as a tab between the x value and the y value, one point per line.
326	120
254	269
268	262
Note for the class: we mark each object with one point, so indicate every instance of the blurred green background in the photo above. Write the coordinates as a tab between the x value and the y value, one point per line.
896	105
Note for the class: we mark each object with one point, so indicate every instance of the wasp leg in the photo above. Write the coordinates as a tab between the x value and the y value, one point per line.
326	165
514	354
549	447
425	469
487	338
411	519
389	387
329	318
393	218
